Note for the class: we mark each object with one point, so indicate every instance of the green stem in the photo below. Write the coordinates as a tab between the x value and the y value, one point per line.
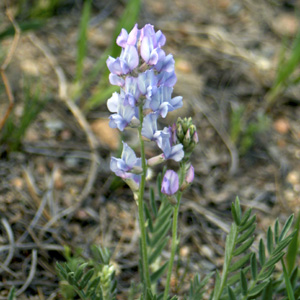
228	257
174	233
147	282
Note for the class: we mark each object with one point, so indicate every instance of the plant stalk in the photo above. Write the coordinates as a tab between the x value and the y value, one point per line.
147	282
174	233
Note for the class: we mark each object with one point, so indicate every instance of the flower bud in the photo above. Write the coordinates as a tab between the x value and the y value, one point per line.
187	139
156	160
170	183
180	133
189	178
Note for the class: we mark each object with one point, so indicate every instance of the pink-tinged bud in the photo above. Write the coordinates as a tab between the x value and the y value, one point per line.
195	138
189	178
174	134
170	183
156	160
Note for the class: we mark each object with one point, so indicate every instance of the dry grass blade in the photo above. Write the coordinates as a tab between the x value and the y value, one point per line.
4	66
31	273
11	239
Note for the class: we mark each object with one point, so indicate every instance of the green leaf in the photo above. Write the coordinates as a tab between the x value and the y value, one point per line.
236	277
79	272
261	252
230	243
148	218
247	224
293	248
153	202
235	215
246	217
92	286
86	278
264	274
257	289
61	271
283	244
243	247
164	217
294	277
157	274
270	240
240	263
286	228
82	39
288	285
157	251
273	260
267	292
238	208
244	283
276	231
246	234
230	293
161	233
253	264
12	293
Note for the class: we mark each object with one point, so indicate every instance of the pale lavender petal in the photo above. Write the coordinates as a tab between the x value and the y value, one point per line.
177	153
114	65
149	126
122	38
116	80
113	102
128	156
176	103
160	38
130	56
167	79
147	83
146	48
166	64
133	35
116	121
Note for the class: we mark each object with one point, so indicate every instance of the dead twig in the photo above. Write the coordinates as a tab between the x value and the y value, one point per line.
4	66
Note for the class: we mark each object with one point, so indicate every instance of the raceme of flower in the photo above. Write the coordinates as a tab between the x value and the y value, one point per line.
146	78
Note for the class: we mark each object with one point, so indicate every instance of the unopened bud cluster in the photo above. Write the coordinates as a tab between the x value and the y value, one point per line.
186	134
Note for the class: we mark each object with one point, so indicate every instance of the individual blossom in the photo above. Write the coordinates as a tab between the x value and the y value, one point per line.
128	60
123	113
126	167
167	64
164	142
151	44
162	101
170	183
128	39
